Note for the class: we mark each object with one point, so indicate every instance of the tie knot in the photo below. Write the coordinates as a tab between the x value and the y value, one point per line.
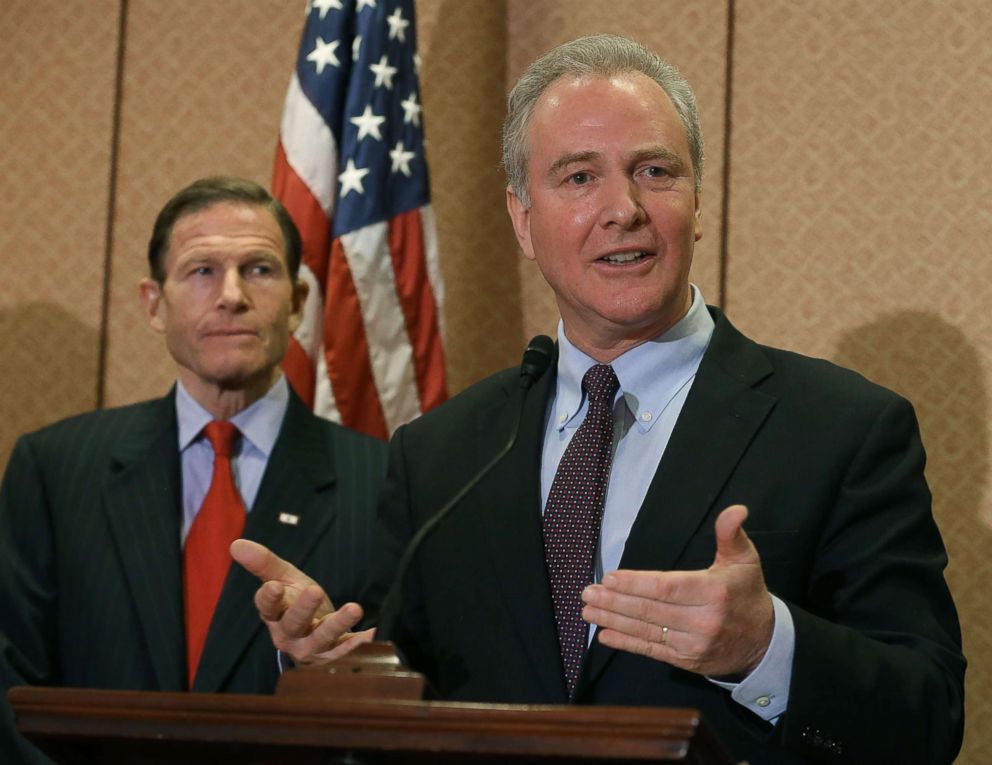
222	435
600	383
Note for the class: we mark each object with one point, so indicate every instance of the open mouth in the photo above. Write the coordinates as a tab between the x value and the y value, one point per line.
623	258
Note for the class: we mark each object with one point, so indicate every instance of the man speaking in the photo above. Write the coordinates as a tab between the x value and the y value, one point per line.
686	518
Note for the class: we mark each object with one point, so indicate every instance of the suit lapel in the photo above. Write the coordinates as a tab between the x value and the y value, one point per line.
512	525
297	478
143	506
721	416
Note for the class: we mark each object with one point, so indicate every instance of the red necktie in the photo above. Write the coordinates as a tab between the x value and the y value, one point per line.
573	515
206	556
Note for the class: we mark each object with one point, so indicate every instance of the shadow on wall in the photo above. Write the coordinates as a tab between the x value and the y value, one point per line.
931	363
50	363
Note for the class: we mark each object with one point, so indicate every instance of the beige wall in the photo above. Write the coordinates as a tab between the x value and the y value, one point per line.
856	197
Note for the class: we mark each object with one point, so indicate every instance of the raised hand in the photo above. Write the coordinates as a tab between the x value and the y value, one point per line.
301	618
716	622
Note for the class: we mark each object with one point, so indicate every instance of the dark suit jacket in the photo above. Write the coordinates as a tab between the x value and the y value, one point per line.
90	556
831	467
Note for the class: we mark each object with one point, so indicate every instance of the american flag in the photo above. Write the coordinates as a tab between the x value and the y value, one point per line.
350	169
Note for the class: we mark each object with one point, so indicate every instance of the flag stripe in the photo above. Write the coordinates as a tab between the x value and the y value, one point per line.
416	296
346	350
310	147
391	355
300	372
433	259
308	215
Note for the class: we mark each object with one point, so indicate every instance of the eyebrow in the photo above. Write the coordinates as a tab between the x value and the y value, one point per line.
570	159
656	152
652	152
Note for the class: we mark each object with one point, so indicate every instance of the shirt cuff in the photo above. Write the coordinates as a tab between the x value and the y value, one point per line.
766	690
284	661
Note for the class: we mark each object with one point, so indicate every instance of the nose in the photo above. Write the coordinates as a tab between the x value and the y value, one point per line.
622	204
232	290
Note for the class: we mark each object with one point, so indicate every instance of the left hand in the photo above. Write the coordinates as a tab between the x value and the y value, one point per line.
719	621
302	620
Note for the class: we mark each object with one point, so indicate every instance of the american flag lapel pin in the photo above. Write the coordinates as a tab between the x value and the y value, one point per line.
289	519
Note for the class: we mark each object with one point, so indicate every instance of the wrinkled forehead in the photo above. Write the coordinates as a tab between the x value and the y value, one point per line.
631	103
226	224
228	218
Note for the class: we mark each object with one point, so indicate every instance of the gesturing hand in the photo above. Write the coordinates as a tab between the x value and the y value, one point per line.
301	618
714	622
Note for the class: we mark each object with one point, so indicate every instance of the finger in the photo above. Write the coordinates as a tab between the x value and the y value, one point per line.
260	561
650	631
271	601
686	588
327	635
350	643
298	619
632	644
732	543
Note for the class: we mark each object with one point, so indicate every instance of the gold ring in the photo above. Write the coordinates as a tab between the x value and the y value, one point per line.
664	635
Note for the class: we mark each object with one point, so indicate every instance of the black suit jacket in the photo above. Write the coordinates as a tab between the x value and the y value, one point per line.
91	562
831	468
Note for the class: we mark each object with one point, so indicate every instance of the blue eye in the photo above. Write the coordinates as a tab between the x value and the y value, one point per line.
580	178
261	269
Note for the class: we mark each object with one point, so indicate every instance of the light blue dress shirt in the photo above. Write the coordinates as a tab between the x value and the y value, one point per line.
259	425
655	379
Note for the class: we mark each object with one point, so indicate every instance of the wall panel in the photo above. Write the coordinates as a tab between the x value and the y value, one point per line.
859	230
56	115
463	46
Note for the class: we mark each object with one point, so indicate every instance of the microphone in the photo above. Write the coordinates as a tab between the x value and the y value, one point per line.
536	360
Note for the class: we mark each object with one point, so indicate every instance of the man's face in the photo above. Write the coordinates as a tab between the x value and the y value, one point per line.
614	213
227	305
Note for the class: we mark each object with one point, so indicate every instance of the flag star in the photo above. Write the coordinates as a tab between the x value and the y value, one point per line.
325	5
383	73
416	63
351	179
397	25
368	124
363	3
401	159
411	110
356	46
323	54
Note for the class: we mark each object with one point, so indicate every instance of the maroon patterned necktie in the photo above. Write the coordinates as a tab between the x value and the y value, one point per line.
573	514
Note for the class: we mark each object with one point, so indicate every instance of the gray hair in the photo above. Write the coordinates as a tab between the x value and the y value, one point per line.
598	56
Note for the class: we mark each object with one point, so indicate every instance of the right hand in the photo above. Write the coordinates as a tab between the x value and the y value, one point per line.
301	619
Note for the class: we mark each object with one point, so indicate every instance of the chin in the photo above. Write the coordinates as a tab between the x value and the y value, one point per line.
236	377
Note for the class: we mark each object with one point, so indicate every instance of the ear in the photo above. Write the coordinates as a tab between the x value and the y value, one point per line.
300	291
150	292
520	217
698	215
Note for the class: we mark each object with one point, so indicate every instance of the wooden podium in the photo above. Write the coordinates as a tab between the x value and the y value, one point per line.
353	713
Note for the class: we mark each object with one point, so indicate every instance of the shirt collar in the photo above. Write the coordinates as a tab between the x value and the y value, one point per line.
259	424
650	374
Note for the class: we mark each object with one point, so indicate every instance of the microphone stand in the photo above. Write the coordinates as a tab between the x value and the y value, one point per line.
536	360
373	671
